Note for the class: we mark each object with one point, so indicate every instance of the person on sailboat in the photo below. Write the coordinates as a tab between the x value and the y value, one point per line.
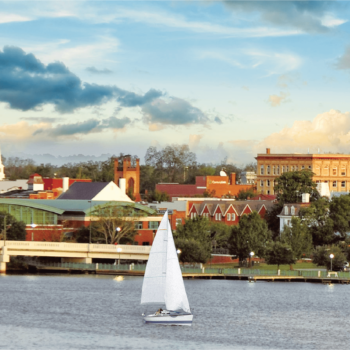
159	311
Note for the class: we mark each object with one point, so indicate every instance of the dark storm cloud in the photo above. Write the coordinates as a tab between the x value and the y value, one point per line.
94	70
304	15
344	60
86	127
174	112
26	83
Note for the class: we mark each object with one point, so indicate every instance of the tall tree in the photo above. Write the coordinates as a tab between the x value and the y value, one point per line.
291	185
278	253
252	234
321	257
15	230
297	237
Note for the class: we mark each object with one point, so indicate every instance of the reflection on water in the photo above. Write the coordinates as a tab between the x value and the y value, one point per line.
104	312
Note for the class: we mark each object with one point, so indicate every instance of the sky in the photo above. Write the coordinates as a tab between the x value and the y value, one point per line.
228	78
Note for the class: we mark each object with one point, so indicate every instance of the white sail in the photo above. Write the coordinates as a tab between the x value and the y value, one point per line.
153	288
175	293
163	281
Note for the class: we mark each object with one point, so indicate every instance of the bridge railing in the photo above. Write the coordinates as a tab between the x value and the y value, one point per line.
77	247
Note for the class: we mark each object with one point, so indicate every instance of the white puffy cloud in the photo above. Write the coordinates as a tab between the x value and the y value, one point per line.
329	132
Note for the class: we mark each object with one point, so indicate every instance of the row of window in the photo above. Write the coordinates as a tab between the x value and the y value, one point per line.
335	183
268	183
325	170
271	183
276	169
30	215
218	216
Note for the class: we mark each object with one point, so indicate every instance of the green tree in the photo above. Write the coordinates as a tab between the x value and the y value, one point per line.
15	230
273	222
192	251
195	230
320	224
339	213
278	253
252	234
297	237
290	186
245	194
321	257
82	235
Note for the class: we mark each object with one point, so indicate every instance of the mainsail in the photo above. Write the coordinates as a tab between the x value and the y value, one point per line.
163	281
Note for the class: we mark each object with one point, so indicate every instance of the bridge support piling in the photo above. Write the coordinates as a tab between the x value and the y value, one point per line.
4	258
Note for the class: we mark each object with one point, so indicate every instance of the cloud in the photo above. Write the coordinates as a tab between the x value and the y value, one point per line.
42	119
26	83
174	112
329	131
275	100
85	127
194	140
308	16
344	60
11	17
94	70
217	120
21	130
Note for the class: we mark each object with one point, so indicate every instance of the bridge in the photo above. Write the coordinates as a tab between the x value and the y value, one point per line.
71	252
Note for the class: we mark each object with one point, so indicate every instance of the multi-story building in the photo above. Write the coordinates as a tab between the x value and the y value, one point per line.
333	169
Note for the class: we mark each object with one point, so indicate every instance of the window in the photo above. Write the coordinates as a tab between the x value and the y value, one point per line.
193	215
218	216
343	184
287	168
268	183
334	183
278	169
228	217
178	222
317	170
310	167
268	170
205	215
292	211
335	171
261	183
261	170
292	168
286	210
302	167
296	168
145	243
343	171
274	170
325	170
233	217
283	169
268	192
138	225
153	224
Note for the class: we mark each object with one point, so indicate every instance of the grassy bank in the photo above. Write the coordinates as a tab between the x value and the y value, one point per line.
296	266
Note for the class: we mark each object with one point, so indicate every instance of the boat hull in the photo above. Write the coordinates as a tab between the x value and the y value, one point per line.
170	320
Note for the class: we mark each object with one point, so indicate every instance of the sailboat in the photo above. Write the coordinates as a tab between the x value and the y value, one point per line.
163	282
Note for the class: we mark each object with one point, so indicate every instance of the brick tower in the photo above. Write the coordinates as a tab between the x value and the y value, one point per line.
125	167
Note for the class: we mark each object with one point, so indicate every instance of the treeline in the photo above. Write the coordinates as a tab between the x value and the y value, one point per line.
175	163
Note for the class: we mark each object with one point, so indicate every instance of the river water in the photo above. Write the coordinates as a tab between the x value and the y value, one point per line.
104	312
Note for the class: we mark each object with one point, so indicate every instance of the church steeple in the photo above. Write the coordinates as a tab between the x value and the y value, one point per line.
2	174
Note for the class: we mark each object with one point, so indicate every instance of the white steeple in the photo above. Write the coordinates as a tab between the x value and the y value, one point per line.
2	174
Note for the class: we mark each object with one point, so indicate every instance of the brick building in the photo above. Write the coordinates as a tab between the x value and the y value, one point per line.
333	169
127	176
218	186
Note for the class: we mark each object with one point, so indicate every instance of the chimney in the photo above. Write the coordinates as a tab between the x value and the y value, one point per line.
122	184
65	184
233	178
305	198
267	150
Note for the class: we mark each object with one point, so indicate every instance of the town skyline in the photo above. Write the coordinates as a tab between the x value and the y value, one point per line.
227	78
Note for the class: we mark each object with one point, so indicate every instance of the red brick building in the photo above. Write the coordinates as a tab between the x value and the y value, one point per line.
217	186
125	168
